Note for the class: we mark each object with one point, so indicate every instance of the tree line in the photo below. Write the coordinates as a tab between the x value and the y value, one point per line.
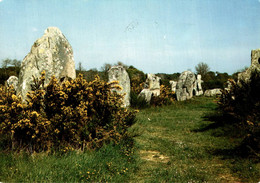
11	67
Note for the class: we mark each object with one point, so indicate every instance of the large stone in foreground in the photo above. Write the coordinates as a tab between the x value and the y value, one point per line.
255	66
52	53
118	73
186	86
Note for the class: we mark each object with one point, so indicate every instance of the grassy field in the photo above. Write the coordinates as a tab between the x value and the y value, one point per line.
176	143
111	163
179	143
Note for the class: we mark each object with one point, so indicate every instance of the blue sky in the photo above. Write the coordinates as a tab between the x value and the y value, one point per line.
156	36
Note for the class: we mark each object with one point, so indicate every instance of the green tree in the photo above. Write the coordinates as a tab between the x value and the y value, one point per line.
202	69
80	67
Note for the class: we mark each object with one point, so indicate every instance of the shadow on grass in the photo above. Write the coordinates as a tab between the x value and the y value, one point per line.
236	139
218	124
235	150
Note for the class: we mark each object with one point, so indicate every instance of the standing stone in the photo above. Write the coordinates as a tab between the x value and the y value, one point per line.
185	86
151	87
173	85
153	84
199	90
118	73
255	66
52	53
153	81
146	94
12	81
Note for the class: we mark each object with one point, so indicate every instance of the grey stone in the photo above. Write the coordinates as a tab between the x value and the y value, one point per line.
186	86
173	85
118	73
212	92
152	82
146	94
255	66
52	53
198	89
151	87
12	81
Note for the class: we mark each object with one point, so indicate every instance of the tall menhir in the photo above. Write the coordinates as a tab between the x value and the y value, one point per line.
52	53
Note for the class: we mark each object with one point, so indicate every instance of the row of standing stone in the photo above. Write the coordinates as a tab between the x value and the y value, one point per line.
187	86
53	53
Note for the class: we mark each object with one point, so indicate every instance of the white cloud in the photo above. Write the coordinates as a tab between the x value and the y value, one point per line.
1	1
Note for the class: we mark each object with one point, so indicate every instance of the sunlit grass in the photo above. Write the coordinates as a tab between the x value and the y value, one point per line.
111	163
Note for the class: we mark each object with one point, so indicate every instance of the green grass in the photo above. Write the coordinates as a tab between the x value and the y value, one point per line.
111	163
175	143
178	143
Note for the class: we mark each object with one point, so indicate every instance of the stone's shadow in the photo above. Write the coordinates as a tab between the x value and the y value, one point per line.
217	122
225	126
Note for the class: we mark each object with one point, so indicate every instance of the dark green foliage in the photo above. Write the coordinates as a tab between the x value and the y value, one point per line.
137	79
242	103
202	69
9	68
137	102
134	73
166	78
213	80
5	73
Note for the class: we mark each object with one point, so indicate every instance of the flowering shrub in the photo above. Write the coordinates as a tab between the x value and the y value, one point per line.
70	115
136	85
166	97
242	104
137	79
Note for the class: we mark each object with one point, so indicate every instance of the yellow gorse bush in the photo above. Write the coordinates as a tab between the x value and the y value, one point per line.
75	114
166	97
136	85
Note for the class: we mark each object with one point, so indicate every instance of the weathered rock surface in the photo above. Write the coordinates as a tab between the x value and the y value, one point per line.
198	89
255	65
52	53
12	81
151	87
146	94
173	85
152	82
212	92
186	86
118	73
